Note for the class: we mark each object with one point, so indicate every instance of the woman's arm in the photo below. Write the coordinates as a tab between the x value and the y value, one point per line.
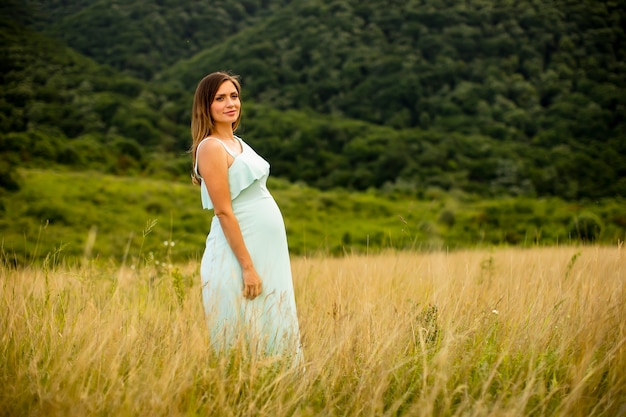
213	163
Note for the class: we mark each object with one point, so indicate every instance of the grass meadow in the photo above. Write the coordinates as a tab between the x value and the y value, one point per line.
489	332
95	215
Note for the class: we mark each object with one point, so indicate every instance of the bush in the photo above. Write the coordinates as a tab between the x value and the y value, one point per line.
586	227
447	217
9	178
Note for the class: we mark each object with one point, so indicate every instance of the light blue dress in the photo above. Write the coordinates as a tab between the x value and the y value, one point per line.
267	325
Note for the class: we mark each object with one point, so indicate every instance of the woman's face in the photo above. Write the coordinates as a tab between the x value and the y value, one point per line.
226	105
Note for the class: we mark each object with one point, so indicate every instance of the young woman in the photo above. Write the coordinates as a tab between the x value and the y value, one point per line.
247	287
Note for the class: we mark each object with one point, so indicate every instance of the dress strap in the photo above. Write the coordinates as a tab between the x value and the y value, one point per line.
231	153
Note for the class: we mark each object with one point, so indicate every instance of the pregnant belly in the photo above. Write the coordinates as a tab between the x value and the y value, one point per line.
261	219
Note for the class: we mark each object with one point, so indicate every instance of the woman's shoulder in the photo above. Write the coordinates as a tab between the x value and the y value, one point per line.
209	139
210	142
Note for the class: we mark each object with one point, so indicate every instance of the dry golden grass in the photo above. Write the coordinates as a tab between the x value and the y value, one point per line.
502	332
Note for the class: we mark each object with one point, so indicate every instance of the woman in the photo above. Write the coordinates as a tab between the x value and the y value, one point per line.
247	287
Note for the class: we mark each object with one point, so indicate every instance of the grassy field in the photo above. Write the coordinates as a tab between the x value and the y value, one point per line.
104	216
502	332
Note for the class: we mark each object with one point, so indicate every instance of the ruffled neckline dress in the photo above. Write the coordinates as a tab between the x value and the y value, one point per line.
267	325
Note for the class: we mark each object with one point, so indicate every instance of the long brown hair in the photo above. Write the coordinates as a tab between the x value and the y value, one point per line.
201	120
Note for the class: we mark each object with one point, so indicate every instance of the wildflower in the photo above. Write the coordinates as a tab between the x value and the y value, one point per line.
169	243
494	311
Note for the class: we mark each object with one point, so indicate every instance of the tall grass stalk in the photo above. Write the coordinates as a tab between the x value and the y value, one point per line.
419	334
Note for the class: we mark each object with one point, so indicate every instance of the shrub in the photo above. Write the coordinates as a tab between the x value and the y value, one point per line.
587	227
9	178
447	217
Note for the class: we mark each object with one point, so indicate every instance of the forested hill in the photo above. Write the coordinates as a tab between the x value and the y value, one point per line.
490	97
507	69
140	37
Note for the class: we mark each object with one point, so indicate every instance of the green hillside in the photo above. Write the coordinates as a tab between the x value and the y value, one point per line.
534	91
75	214
483	98
141	38
410	103
50	88
513	65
